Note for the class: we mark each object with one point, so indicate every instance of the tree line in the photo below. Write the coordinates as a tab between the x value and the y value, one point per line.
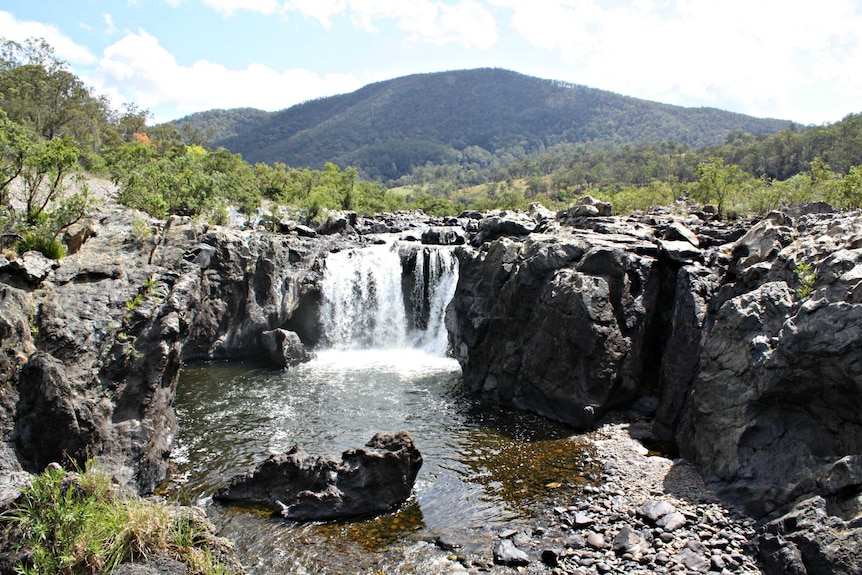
54	129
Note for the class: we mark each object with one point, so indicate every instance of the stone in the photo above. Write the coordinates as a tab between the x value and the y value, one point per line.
448	236
672	521
302	487
629	541
845	474
576	541
495	227
284	348
596	541
692	561
677	231
33	266
505	553
77	234
655	509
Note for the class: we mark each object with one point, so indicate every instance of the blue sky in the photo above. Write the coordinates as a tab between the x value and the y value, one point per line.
789	59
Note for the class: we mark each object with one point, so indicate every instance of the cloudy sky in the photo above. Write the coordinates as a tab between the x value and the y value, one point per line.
791	59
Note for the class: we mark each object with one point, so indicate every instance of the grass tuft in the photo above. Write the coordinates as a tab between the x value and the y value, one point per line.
81	523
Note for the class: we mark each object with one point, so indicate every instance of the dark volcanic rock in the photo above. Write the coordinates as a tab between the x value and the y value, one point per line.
778	396
302	487
449	236
557	324
810	541
95	349
284	348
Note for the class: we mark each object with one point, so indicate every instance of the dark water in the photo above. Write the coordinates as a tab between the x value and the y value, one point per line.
483	468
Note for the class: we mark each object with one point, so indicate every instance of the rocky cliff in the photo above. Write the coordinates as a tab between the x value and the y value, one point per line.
93	344
741	341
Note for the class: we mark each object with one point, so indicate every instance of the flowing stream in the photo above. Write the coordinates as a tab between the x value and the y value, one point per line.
384	368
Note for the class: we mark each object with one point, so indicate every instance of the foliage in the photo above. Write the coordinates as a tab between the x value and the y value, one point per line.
81	523
718	182
186	180
47	246
807	277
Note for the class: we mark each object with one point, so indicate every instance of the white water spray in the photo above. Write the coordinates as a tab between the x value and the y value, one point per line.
388	297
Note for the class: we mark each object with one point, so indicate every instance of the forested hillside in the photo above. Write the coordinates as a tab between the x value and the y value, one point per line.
482	139
486	116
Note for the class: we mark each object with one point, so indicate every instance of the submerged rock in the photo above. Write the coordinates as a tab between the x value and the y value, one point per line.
302	487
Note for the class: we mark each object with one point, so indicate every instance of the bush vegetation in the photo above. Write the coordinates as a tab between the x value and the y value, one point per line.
81	523
166	169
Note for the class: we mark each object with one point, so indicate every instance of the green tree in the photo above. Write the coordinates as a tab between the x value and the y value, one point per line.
15	145
44	175
717	182
38	91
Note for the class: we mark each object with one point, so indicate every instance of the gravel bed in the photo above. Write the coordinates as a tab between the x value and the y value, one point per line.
651	514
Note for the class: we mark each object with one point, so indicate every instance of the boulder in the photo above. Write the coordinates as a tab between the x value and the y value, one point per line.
556	325
494	227
302	487
810	541
448	236
33	266
284	348
585	207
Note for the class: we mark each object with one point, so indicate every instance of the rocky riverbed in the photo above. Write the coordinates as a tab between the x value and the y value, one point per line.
648	514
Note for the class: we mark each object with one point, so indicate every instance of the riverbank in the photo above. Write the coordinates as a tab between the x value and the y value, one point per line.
651	514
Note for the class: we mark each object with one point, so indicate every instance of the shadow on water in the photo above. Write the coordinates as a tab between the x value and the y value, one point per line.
483	467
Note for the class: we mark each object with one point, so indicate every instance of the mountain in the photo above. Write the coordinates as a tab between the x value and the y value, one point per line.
387	128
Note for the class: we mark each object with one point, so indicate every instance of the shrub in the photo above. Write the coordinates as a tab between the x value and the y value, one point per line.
82	523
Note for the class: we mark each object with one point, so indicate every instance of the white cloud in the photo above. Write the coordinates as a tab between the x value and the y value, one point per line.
467	22
228	7
110	27
138	69
64	47
766	57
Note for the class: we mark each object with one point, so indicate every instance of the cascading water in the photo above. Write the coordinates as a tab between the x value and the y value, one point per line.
387	297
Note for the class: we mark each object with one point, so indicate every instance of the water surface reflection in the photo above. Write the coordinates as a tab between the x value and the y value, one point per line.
483	467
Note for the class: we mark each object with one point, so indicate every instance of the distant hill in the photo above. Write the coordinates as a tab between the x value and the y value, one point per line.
388	128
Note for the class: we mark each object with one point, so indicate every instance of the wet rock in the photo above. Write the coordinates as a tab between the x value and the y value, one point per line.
302	487
506	553
284	348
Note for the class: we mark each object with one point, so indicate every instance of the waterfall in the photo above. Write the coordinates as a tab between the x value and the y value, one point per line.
388	296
